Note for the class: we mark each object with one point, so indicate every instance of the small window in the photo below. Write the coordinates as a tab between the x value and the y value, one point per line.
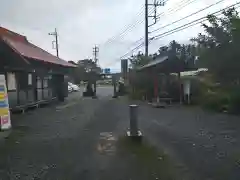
29	79
11	81
39	83
45	83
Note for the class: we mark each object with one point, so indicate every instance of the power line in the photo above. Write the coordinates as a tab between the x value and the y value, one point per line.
149	40
180	28
126	27
188	16
181	6
192	22
155	5
131	26
170	9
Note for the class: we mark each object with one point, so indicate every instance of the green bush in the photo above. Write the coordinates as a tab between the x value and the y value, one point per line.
234	103
216	101
136	94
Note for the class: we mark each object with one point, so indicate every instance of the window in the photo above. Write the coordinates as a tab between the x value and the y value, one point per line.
29	79
11	81
39	83
45	82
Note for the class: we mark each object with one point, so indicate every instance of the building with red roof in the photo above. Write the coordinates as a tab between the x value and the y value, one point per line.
33	75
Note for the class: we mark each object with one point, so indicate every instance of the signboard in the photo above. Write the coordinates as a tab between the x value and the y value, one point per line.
107	71
4	106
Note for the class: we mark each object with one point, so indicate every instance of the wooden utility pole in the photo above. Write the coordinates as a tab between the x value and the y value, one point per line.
55	34
95	57
156	4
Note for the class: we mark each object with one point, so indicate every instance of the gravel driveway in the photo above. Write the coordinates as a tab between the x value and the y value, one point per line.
77	140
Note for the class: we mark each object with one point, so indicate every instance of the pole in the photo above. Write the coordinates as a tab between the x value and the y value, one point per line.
114	86
56	36
155	4
133	120
146	28
55	33
95	54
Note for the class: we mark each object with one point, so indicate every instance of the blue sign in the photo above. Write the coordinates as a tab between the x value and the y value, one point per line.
107	71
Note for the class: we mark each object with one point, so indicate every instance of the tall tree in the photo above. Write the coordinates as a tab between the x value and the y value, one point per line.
86	70
139	60
220	46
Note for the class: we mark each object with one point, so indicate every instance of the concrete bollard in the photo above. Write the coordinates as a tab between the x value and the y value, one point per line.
133	120
134	133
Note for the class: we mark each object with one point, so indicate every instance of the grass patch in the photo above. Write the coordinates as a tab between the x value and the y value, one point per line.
149	161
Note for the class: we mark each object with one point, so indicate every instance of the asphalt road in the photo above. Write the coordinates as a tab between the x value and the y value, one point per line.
76	140
102	91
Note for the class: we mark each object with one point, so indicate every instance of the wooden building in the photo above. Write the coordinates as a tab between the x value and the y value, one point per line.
32	74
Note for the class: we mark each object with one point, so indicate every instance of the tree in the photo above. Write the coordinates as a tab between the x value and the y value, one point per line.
163	50
86	70
139	60
220	46
174	48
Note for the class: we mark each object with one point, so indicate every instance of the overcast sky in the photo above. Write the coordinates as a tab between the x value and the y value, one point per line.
83	23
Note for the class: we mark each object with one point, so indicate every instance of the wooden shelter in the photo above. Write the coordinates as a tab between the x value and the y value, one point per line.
164	65
32	74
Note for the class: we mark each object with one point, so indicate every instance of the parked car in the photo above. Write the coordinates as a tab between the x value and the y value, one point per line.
70	89
74	87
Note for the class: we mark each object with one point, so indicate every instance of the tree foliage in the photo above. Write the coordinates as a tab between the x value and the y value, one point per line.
86	70
218	48
139	60
184	52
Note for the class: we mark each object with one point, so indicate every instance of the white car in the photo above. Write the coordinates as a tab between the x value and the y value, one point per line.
74	87
70	89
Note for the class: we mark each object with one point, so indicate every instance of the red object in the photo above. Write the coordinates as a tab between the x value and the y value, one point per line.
21	45
4	120
155	86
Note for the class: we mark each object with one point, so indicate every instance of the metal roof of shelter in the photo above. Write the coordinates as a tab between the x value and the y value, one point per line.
166	64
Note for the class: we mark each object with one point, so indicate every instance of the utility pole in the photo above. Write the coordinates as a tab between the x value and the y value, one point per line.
55	34
95	54
156	4
146	28
95	57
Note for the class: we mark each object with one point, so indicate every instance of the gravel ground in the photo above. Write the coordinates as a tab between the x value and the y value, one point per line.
205	145
77	140
73	140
